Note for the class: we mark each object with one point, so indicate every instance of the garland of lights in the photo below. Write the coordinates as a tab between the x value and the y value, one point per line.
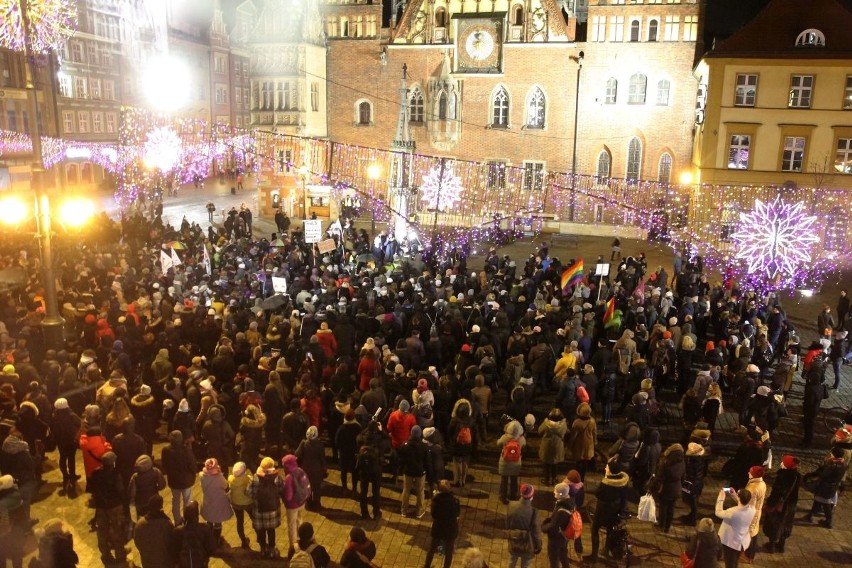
51	23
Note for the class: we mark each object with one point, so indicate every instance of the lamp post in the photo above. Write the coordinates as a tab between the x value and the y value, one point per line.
579	59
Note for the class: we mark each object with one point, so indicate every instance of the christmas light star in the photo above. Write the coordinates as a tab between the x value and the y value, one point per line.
775	240
441	192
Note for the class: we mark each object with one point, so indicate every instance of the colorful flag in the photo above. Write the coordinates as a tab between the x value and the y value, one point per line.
572	275
639	291
208	266
610	310
335	228
165	261
175	259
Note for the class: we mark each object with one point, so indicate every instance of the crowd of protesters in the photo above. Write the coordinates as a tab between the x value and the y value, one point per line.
201	374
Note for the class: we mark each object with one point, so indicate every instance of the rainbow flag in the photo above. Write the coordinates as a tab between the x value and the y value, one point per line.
572	275
610	310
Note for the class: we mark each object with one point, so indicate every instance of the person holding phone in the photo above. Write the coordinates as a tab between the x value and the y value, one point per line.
736	520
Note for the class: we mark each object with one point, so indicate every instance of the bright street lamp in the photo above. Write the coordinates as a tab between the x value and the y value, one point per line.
166	81
73	212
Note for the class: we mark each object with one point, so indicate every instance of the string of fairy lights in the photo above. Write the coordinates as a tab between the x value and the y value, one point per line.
484	198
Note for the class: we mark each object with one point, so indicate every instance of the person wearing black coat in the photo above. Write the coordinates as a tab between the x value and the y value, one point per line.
814	389
445	523
179	466
612	499
346	441
311	454
670	475
829	477
693	479
65	426
108	497
779	507
749	453
413	456
193	541
368	467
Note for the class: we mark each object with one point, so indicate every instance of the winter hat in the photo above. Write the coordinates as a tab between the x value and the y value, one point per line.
312	433
843	436
422	386
267	464
60	404
239	469
145	390
790	462
763	390
527	491
205	385
667	334
399	370
404	406
211	467
109	458
183	406
6	482
30	405
647	384
573	476
427	432
144	463
416	433
756	471
752	368
474	329
561	491
694	449
529	422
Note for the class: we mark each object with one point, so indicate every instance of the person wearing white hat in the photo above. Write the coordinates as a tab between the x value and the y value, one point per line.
65	425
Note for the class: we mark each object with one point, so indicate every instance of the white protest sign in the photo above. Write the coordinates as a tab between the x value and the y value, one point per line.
313	230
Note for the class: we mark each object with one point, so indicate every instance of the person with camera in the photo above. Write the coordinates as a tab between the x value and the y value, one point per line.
736	522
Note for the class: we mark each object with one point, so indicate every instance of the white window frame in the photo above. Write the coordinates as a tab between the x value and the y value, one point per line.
638	162
66	88
536	109
653	30
671	30
635	30
664	92
534	175
81	88
603	176
847	94
109	90
97	122
801	91
95	89
637	93
110	121
358	117
739	146
617	29
843	156
690	28
664	168
417	106
501	106
68	121
495	178
83	122
611	92
598	29
745	90
793	155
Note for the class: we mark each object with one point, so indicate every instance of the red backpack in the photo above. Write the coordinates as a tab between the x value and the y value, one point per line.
574	529
512	451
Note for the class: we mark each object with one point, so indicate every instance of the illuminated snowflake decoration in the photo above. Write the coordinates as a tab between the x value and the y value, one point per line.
775	241
162	149
441	192
51	23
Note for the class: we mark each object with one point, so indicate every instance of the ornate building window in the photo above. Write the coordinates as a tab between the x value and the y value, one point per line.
604	166
536	106
638	86
611	91
500	109
665	171
415	105
664	87
634	159
363	113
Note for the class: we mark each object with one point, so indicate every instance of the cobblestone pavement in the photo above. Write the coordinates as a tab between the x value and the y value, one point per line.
402	541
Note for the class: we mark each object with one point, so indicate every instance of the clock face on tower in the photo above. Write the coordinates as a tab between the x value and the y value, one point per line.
478	47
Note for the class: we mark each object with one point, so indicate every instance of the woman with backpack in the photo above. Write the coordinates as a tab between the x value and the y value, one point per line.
511	443
462	439
266	488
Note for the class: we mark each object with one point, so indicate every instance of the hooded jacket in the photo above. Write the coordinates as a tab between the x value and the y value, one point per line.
584	434
552	447
612	497
15	459
145	482
513	431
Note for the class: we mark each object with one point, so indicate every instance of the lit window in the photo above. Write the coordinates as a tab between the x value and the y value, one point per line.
604	166
533	176
638	86
500	109
68	121
664	87
746	92
416	105
672	29
97	122
64	85
810	38
496	174
843	158
617	33
611	91
801	89
738	152
599	28
81	88
110	122
665	172
109	90
847	94
794	154
634	159
536	105
83	122
76	52
690	28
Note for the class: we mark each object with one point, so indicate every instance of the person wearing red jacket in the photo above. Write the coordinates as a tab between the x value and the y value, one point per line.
327	340
400	423
94	445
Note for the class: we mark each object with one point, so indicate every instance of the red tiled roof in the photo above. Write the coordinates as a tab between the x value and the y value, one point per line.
773	32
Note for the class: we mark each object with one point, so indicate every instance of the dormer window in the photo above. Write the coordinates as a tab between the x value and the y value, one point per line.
811	37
